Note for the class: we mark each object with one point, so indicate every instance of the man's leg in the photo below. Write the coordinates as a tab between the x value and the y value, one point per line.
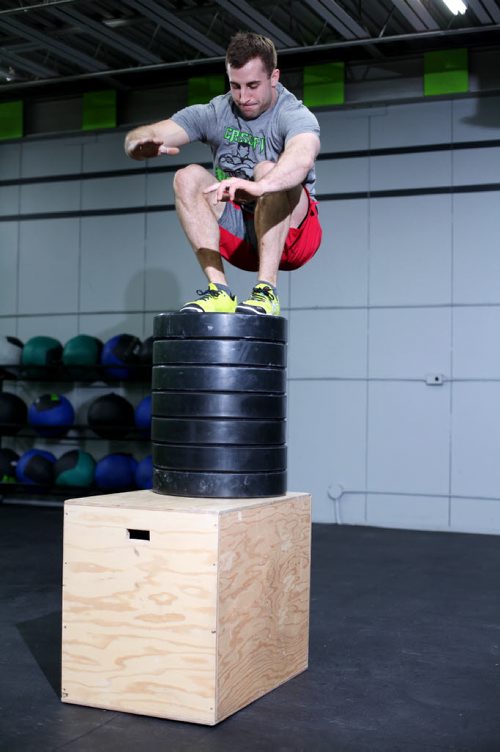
198	216
275	214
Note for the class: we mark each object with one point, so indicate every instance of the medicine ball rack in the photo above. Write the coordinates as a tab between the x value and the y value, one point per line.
91	376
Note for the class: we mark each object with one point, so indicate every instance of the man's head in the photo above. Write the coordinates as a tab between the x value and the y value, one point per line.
246	45
251	69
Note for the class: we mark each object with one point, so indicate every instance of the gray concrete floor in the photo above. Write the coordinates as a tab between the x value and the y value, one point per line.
404	653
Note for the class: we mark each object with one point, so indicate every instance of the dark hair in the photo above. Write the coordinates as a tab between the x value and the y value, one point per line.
245	46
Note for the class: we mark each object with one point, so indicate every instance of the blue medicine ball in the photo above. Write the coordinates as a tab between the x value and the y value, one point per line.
51	415
121	350
144	473
143	416
116	472
36	467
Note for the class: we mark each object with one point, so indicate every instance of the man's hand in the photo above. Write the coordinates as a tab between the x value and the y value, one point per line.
145	148
235	189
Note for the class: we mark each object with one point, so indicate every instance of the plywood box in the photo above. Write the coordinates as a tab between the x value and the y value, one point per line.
183	608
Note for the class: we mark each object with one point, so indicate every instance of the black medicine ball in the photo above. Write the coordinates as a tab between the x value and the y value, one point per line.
13	414
8	463
11	349
110	416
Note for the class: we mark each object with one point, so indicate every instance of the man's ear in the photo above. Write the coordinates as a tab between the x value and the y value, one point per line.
275	76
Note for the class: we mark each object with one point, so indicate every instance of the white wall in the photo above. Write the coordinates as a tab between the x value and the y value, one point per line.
405	285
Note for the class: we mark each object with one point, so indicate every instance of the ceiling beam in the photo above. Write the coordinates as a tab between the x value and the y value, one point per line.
174	25
424	15
416	23
492	9
98	31
257	22
22	63
335	16
60	49
478	10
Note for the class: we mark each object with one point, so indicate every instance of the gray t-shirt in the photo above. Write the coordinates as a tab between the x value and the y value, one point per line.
237	144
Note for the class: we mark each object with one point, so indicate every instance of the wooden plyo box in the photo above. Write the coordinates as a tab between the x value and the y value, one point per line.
183	608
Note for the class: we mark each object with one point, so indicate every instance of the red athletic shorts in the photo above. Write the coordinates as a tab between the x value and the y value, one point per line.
238	243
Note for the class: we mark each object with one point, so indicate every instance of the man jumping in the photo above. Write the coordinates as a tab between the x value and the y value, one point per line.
259	211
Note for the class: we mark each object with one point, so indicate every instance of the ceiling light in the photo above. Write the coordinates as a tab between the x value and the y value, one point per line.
456	6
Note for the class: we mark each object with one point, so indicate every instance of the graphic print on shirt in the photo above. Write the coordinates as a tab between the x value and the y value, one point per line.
240	159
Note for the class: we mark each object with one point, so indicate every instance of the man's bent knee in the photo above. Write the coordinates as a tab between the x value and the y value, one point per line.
192	177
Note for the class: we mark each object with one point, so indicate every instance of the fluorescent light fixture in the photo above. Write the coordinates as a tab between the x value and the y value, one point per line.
456	6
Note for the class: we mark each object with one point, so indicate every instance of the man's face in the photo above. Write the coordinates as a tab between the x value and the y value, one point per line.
252	89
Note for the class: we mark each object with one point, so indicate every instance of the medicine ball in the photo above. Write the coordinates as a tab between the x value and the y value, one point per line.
110	415
116	472
144	473
13	414
11	349
146	352
36	467
40	353
75	468
51	415
121	350
81	353
143	416
8	463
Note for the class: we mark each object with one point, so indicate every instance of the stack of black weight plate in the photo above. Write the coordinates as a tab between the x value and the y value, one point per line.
219	405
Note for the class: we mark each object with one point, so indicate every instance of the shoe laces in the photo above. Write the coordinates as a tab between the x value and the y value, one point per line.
206	294
262	293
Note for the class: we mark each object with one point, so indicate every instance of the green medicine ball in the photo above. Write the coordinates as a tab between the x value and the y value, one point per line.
81	353
40	353
75	468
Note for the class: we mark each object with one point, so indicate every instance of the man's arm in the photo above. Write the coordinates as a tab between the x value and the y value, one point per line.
147	141
290	170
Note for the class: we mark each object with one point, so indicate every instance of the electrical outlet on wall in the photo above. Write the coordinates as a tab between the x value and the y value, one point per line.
434	379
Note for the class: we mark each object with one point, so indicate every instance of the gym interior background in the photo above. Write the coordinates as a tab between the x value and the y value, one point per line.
402	292
393	372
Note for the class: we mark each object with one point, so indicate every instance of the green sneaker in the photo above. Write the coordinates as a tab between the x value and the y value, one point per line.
263	301
212	300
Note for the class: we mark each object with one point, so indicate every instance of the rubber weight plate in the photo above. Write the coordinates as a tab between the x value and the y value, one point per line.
219	485
219	378
239	459
219	351
226	325
219	431
218	405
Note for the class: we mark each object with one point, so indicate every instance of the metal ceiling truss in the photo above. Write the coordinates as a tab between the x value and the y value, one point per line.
70	40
